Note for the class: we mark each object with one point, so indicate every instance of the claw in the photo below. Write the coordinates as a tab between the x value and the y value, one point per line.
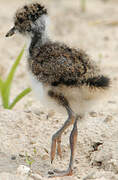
58	173
53	150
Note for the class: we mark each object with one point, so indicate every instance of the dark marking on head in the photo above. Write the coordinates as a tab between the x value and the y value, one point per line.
20	20
25	7
31	12
27	15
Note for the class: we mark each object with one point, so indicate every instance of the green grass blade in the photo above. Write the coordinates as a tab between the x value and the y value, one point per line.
19	97
7	83
5	100
13	69
1	83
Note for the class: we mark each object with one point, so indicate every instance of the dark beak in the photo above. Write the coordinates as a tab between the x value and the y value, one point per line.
11	32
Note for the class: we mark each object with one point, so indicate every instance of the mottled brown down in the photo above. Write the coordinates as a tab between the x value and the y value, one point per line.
28	14
56	64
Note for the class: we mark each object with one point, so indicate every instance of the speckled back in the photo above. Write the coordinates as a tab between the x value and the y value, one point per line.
56	63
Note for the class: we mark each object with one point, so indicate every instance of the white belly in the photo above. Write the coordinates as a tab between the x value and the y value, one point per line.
81	100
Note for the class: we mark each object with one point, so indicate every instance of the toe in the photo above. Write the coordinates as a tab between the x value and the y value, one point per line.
58	173
53	150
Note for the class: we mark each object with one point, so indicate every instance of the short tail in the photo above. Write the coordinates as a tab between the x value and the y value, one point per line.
98	82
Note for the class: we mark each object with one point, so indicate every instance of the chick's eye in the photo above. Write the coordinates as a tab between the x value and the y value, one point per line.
20	20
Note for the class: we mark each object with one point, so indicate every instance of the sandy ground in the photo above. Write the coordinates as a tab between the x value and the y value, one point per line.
26	130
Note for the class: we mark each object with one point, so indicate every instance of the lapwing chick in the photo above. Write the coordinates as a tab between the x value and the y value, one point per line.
63	77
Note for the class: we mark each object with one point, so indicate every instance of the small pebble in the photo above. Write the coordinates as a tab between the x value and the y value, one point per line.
13	157
106	38
37	112
27	111
108	118
36	176
50	172
77	161
23	170
21	155
44	157
32	142
112	102
93	114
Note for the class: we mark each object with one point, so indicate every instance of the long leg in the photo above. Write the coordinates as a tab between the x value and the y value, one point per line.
56	138
73	141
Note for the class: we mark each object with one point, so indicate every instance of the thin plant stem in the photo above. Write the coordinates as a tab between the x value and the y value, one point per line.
83	5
